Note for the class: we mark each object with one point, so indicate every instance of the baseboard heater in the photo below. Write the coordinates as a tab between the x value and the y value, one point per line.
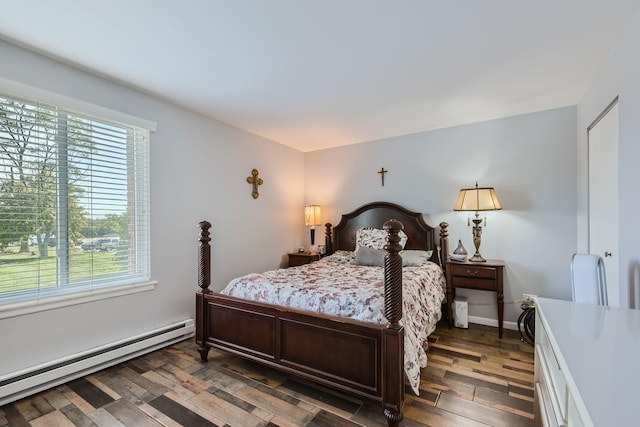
38	378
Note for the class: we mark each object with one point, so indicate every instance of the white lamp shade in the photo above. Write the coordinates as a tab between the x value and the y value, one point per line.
312	215
477	199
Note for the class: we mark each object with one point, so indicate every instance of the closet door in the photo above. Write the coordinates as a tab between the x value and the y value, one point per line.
603	196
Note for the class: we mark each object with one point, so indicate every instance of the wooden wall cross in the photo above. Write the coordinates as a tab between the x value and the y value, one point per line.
382	172
253	179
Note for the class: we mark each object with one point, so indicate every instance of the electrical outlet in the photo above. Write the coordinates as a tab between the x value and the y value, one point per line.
528	297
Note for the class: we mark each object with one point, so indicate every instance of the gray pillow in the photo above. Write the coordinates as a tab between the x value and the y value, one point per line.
370	256
413	258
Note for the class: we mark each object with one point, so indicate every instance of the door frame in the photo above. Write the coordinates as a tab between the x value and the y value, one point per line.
595	122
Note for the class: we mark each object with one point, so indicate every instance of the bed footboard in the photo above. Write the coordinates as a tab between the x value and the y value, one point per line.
344	355
363	359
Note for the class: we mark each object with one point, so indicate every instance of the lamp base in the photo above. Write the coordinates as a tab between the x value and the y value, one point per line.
477	238
477	258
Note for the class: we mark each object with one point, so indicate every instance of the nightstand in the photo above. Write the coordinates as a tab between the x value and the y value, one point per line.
484	276
302	258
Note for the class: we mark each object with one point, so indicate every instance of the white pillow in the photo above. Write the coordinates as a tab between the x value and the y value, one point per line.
370	257
414	258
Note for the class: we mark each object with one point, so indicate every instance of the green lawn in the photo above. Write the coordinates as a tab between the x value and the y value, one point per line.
27	271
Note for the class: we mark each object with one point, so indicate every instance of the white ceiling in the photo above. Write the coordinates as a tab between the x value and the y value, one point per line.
314	74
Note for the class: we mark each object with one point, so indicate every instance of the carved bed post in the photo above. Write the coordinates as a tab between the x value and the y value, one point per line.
204	257
328	241
204	279
444	242
393	338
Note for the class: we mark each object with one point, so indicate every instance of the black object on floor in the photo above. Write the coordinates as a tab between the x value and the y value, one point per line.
527	323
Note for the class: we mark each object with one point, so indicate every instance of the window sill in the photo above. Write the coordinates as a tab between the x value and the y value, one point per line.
51	303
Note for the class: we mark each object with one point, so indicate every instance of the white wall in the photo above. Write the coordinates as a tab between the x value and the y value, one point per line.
198	171
529	159
620	77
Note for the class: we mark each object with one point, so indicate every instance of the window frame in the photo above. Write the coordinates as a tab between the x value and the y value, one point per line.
82	294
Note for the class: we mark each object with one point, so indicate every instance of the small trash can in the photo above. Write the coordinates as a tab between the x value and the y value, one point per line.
460	312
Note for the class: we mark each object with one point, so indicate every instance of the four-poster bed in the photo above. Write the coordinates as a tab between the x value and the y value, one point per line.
360	358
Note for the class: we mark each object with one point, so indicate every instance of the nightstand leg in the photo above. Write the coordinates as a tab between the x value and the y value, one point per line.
450	295
500	312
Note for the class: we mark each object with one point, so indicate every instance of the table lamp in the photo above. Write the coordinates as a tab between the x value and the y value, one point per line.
312	218
475	200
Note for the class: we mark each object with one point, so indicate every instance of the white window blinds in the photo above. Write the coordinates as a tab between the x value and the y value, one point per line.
74	201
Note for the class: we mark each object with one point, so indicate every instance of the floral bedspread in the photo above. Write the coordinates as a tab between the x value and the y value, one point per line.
357	292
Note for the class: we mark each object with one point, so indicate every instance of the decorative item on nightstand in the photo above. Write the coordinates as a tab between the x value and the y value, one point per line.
460	253
322	250
312	218
475	200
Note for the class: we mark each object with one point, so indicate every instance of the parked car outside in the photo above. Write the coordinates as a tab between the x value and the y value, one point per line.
88	244
107	243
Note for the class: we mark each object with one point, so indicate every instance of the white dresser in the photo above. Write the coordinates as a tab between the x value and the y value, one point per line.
587	365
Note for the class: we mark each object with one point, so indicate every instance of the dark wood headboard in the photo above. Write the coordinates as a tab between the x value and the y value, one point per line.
343	236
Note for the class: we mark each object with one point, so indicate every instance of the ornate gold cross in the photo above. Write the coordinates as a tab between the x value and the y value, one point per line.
382	172
253	179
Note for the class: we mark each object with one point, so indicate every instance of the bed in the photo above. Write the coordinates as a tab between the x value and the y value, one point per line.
362	357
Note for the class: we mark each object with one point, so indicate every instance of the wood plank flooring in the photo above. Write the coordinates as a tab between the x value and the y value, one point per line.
472	379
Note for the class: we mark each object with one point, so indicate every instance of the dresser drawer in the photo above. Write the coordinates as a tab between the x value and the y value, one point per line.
547	394
551	370
473	271
573	414
474	283
545	416
553	384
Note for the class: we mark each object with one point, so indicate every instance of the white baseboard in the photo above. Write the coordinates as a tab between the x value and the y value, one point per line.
17	385
492	322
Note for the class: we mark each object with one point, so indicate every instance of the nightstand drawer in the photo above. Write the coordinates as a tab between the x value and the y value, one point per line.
472	271
301	258
474	283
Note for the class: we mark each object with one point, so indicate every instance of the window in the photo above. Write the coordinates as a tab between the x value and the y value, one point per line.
74	202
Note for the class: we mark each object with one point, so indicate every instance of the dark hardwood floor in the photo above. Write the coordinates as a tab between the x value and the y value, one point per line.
473	378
